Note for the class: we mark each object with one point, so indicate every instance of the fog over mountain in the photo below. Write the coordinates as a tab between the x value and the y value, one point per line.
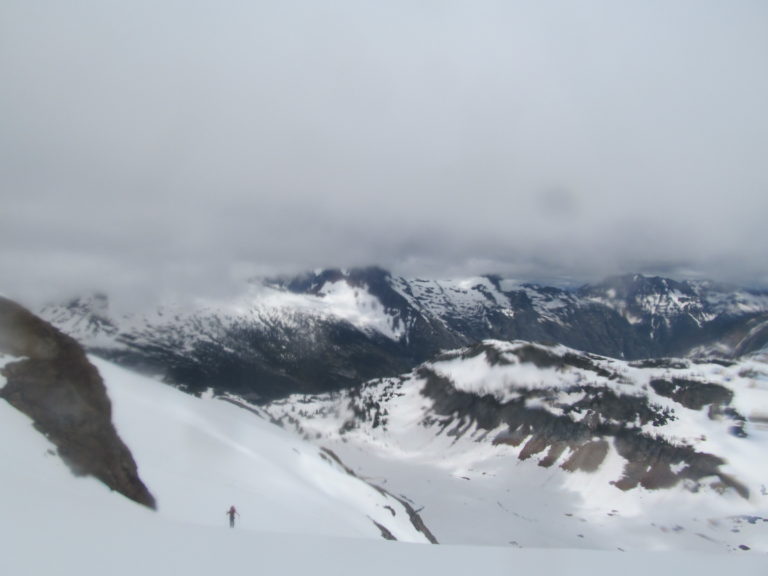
152	147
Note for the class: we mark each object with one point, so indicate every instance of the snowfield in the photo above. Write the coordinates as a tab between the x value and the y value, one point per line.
198	453
301	513
473	489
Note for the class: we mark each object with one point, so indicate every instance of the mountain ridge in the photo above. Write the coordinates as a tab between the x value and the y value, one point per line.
671	441
331	329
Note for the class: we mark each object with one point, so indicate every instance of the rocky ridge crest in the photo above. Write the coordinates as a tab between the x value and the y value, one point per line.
53	383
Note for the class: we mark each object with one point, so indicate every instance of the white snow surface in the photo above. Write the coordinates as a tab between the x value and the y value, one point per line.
477	376
4	359
737	302
475	296
198	454
474	491
703	304
299	513
444	299
359	308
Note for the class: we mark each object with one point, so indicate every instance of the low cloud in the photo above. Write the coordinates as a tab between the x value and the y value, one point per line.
166	148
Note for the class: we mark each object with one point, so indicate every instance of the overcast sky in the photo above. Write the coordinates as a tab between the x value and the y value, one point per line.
184	143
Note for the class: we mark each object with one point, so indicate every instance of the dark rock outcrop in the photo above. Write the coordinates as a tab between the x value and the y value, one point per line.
581	408
693	395
607	416
54	384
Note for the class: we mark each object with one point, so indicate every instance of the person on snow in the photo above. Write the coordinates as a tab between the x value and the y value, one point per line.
232	512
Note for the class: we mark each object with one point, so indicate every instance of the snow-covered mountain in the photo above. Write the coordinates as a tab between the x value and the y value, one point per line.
332	329
199	461
546	446
328	509
199	455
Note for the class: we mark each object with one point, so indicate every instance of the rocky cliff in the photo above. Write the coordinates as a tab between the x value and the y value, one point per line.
53	383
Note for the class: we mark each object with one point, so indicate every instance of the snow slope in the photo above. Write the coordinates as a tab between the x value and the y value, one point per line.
199	456
219	453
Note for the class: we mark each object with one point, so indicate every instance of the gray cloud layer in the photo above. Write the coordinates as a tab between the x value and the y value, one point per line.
176	142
